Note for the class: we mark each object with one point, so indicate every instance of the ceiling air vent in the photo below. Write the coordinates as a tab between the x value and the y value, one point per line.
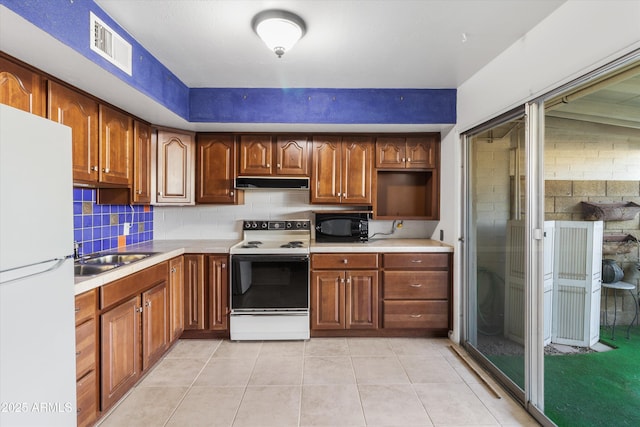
108	44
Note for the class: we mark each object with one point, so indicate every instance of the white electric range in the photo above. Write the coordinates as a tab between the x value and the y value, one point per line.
270	281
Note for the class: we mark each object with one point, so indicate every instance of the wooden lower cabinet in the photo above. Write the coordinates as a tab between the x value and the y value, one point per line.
416	291
206	293
86	358
134	327
176	297
120	350
344	299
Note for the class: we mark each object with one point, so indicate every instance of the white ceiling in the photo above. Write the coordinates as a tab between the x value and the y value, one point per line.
348	44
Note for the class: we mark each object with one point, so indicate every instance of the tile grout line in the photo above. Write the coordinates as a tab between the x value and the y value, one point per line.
191	385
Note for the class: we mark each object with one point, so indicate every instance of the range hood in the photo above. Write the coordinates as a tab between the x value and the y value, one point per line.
261	182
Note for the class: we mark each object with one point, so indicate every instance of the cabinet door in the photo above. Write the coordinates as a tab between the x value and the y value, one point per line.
325	170
120	350
361	302
80	113
176	297
21	88
421	153
116	147
292	156
155	324
194	302
218	292
216	169
357	170
327	300
175	168
256	155
391	153
141	190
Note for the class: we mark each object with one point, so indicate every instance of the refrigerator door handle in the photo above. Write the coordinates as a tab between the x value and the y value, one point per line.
13	275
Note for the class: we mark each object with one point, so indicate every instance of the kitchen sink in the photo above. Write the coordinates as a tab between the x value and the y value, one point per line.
101	262
92	270
116	259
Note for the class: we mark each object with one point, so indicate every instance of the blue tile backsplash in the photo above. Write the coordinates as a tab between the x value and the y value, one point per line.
101	227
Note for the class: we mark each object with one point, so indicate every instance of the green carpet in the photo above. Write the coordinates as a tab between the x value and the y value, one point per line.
595	389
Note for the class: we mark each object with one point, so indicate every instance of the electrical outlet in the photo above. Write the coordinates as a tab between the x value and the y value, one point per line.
127	227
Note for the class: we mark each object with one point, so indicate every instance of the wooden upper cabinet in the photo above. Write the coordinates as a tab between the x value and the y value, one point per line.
342	170
175	171
256	155
422	153
22	88
216	169
116	147
292	155
80	113
326	176
357	170
141	189
407	153
266	155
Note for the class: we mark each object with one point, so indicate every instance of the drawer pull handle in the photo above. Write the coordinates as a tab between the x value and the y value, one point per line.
416	261
416	285
416	316
345	261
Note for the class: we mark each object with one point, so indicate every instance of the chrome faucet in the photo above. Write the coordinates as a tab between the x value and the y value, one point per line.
76	249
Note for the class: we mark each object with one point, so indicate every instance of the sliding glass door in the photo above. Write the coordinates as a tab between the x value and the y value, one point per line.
496	246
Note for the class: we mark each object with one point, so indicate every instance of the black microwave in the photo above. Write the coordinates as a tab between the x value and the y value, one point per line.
342	226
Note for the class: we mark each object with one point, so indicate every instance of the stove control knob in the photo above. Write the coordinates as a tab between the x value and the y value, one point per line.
288	224
254	225
247	224
276	225
305	224
298	225
264	225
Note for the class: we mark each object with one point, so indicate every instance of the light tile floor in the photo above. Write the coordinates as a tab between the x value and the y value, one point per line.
321	382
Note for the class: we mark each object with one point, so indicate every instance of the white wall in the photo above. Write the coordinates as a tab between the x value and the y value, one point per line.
224	221
577	38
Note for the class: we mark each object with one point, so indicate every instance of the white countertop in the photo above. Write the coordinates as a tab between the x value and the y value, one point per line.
167	249
384	246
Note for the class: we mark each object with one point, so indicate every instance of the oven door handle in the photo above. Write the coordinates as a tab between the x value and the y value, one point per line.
270	258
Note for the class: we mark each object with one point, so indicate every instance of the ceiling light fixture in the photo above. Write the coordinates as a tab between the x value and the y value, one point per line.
279	30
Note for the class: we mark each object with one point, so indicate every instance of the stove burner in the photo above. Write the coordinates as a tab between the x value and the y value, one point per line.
252	244
294	244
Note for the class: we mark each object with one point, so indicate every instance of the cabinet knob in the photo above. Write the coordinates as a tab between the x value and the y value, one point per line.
403	159
348	279
147	304
106	170
339	194
279	166
77	309
409	159
345	261
138	309
223	265
139	191
268	165
231	193
173	269
94	168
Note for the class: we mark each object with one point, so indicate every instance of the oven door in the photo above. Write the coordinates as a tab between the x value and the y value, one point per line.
269	283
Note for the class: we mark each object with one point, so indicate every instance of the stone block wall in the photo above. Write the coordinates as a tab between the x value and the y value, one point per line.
563	202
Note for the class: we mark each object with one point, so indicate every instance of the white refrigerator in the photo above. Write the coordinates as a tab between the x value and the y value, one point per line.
37	320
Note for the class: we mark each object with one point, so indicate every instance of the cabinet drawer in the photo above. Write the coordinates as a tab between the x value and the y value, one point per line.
416	314
415	260
343	261
416	284
86	399
85	347
134	284
85	306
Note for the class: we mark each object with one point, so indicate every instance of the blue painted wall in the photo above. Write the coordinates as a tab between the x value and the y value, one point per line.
68	21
